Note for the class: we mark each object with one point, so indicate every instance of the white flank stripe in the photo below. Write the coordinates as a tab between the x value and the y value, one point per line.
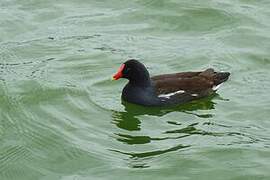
216	87
171	94
194	95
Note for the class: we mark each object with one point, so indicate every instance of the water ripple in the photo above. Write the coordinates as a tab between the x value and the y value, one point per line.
62	118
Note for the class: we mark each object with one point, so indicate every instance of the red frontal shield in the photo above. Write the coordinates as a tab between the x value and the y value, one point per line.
119	73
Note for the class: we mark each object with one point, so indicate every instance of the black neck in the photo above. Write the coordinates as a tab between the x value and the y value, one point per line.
142	79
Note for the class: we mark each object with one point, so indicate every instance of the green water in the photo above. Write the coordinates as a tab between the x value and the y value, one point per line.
61	117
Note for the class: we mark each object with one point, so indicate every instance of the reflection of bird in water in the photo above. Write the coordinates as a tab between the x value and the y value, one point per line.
128	120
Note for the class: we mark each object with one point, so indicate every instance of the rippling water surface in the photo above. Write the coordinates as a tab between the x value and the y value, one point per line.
61	117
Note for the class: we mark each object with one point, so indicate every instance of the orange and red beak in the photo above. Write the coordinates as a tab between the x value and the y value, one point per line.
119	73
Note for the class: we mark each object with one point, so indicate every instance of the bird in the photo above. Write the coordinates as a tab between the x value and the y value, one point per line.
166	89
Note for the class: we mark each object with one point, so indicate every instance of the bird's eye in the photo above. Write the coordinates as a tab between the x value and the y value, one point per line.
127	70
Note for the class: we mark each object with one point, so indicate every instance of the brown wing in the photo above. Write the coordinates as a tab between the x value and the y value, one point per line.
190	82
175	75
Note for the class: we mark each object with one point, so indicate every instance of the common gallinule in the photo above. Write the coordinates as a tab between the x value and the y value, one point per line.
166	89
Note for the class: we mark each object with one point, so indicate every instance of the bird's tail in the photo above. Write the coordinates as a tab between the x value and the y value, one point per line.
217	77
220	77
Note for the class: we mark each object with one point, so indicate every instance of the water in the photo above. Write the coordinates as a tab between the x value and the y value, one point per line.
61	117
